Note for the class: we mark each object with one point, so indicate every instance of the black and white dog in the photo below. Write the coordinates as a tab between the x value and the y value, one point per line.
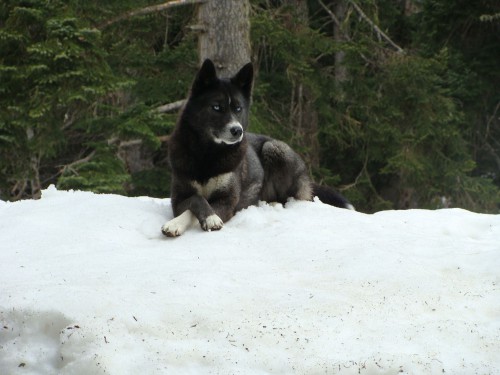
218	168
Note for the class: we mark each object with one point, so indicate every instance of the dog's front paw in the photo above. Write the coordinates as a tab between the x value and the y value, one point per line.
213	222
170	230
178	225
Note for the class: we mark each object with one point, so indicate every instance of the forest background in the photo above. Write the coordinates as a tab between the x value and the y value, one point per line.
394	102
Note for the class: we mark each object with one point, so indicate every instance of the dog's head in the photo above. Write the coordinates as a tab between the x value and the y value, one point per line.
219	107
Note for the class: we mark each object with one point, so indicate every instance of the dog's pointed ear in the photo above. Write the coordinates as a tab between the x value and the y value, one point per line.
206	77
244	79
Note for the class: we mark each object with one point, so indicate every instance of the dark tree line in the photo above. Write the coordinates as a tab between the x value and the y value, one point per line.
395	102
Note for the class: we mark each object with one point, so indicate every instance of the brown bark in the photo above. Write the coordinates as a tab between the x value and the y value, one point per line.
226	34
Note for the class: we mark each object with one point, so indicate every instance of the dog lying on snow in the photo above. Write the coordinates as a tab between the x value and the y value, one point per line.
218	168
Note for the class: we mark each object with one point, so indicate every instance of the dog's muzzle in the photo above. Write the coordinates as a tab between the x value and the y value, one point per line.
231	134
236	131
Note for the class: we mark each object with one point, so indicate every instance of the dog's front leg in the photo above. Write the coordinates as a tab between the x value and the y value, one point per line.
224	204
187	211
204	212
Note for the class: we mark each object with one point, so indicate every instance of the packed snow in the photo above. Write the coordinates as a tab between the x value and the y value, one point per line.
89	285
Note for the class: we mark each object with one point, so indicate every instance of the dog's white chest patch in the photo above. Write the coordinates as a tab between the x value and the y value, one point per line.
213	184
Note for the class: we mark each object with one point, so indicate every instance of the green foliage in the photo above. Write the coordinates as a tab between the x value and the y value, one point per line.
288	54
68	91
416	127
139	122
51	70
152	182
396	133
412	129
102	173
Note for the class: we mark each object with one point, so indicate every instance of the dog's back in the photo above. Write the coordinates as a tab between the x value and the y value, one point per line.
285	173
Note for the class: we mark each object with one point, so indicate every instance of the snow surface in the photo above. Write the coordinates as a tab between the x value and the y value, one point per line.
88	285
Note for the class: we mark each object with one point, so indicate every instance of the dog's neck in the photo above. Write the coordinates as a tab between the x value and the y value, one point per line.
201	160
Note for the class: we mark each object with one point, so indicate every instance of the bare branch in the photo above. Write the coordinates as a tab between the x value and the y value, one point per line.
148	10
334	18
71	166
490	120
339	26
170	107
489	17
379	32
136	142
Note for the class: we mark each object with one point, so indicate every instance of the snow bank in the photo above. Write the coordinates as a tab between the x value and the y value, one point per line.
88	285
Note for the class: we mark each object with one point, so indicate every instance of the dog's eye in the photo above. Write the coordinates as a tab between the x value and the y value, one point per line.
237	109
217	108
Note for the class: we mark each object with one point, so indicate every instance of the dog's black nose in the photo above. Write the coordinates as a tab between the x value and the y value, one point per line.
236	131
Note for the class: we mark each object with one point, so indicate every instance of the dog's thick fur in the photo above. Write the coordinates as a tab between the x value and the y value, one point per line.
218	168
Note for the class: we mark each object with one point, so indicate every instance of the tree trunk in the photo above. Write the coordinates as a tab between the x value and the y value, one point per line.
226	34
303	114
339	37
340	34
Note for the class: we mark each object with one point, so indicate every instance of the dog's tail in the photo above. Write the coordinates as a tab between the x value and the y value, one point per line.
329	196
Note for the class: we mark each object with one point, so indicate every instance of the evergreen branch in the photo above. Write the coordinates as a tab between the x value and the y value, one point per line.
148	10
379	32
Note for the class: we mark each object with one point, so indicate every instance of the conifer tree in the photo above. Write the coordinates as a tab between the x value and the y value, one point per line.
403	95
52	71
